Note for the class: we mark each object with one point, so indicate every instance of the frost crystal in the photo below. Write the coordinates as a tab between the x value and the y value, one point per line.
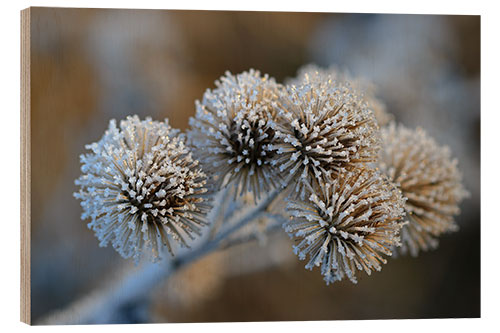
430	180
363	86
232	131
140	187
323	128
347	225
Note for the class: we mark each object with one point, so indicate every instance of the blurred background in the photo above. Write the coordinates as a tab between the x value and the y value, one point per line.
89	66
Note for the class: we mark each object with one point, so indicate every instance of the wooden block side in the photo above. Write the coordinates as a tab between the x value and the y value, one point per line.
25	168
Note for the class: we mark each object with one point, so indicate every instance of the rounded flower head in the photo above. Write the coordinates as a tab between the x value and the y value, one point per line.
429	178
232	131
140	187
366	88
323	128
348	224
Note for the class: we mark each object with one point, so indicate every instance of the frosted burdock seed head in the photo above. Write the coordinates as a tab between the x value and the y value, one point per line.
141	188
430	180
232	132
324	127
347	225
365	88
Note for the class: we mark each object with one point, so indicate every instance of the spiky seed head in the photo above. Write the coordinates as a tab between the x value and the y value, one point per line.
324	128
232	131
364	87
429	178
141	188
347	225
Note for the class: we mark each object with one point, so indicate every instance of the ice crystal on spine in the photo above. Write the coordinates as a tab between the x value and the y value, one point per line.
323	128
347	225
141	188
232	131
430	180
363	86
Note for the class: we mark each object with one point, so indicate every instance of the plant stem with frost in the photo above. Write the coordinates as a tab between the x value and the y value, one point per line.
103	305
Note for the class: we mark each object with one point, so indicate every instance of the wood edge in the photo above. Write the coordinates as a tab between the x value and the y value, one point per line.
25	213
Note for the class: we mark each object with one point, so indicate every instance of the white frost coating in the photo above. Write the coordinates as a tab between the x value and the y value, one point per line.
348	225
141	188
366	88
429	178
232	132
324	127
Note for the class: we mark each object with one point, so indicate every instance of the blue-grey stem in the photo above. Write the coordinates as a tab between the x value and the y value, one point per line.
102	305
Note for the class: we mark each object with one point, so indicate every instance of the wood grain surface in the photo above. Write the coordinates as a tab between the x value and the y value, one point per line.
25	169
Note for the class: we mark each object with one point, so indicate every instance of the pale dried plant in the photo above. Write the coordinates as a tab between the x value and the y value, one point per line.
429	178
323	129
232	132
348	224
141	188
365	88
354	193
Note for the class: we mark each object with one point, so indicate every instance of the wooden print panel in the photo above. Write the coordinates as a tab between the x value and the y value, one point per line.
25	168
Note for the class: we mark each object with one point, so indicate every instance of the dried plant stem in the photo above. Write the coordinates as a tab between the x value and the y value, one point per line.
251	237
217	213
104	305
